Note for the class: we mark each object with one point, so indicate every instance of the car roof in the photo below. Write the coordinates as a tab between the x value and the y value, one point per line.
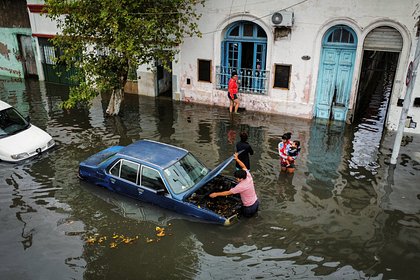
4	105
156	153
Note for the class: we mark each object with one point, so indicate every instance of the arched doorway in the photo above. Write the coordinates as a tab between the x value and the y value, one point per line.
381	51
335	73
244	50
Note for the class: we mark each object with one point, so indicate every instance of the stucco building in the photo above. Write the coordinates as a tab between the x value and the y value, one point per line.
17	55
306	59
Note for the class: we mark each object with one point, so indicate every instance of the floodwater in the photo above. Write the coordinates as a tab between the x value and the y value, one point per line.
344	214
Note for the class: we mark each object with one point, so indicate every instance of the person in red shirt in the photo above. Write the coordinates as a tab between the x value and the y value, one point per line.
245	188
233	93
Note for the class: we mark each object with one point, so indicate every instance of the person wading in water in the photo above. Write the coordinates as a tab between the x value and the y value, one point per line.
233	93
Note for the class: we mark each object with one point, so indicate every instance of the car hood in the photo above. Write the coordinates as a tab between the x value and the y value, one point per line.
210	176
24	141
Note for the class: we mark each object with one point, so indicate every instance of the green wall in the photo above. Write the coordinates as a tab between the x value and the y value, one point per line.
10	65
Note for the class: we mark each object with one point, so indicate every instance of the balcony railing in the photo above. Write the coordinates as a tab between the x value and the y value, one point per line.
251	80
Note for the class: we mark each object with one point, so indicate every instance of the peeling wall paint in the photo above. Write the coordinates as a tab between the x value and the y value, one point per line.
4	50
14	21
304	40
10	57
307	89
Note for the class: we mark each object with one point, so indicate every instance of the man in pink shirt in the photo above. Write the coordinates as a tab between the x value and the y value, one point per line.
245	188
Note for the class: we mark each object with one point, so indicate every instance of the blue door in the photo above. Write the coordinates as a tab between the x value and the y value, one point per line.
244	52
259	65
335	73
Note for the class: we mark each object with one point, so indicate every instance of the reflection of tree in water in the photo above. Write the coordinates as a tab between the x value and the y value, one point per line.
165	114
117	125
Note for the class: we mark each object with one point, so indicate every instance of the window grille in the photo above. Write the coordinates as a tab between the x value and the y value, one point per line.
251	81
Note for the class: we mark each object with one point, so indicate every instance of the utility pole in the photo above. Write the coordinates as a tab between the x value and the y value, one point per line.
410	81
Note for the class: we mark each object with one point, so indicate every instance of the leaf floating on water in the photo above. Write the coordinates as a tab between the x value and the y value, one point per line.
115	240
102	239
128	240
91	240
160	232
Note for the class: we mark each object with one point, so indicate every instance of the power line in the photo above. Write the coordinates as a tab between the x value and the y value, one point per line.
244	9
230	11
216	11
258	18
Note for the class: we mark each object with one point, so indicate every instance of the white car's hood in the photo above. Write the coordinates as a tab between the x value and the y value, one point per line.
26	141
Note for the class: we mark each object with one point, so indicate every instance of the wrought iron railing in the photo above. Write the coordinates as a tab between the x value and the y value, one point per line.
251	80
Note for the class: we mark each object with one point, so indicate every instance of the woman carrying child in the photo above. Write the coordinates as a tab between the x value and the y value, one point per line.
284	147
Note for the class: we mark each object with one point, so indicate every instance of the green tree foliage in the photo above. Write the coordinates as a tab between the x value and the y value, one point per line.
103	39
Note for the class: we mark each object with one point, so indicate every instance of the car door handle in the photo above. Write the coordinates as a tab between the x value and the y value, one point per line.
112	180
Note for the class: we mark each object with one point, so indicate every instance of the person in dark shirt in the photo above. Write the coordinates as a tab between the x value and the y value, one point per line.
244	146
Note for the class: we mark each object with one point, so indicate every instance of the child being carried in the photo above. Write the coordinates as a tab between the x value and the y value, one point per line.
292	153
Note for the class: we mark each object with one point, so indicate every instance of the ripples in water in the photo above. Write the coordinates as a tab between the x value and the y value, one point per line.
344	214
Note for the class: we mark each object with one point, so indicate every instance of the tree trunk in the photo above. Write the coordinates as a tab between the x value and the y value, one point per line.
114	105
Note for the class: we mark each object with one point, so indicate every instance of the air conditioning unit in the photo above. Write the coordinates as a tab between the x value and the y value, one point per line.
282	18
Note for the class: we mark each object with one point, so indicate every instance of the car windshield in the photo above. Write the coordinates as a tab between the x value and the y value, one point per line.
185	173
11	122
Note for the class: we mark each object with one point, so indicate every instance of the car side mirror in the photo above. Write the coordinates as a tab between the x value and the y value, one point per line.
28	118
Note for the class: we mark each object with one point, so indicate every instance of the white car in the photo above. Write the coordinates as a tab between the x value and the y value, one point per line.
19	139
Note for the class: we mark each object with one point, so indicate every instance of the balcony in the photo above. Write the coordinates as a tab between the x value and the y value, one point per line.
251	80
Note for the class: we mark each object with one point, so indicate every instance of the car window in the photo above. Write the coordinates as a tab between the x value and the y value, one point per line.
150	178
115	170
11	122
129	171
185	173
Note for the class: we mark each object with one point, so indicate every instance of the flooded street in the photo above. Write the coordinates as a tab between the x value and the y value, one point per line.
344	214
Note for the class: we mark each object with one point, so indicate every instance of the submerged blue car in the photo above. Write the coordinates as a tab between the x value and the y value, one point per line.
165	175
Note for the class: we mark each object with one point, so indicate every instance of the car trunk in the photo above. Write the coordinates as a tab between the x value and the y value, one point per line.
225	206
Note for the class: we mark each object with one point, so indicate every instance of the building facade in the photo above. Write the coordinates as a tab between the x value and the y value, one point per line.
17	53
299	58
308	59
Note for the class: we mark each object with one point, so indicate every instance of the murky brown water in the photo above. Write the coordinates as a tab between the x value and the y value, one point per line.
344	214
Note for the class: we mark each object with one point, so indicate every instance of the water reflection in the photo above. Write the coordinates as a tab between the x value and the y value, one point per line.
331	219
286	190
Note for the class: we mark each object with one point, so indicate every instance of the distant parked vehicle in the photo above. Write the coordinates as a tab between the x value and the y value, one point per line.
19	139
165	175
